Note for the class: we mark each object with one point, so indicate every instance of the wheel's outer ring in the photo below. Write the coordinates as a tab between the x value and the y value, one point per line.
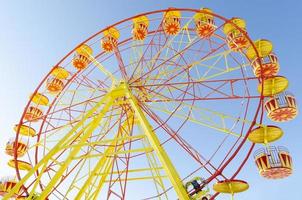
231	157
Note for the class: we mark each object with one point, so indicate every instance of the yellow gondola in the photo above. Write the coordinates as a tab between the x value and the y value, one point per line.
20	147
80	62
268	60
204	23
33	114
81	58
25	130
236	38
140	27
265	134
110	40
231	186
34	197
60	73
54	85
40	99
84	50
2	193
22	165
6	184
273	162
281	107
171	22
273	85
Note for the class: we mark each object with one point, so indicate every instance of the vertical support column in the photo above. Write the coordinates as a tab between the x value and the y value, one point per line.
99	166
160	152
103	164
93	125
102	181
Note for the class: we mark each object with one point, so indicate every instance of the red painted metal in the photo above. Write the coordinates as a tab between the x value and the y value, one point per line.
86	82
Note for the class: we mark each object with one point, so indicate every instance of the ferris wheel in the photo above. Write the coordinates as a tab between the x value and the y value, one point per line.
167	104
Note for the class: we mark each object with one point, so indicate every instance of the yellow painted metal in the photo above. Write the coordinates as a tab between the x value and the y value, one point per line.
84	137
102	181
103	142
60	73
229	27
140	20
138	170
101	163
111	149
102	68
172	13
231	186
168	44
265	134
80	169
155	144
201	16
106	102
25	130
112	32
106	157
39	99
200	122
263	47
21	165
274	85
141	178
146	150
84	50
156	170
71	135
75	179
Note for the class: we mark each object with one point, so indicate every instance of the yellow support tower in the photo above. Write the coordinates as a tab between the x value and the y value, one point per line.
103	165
160	152
71	135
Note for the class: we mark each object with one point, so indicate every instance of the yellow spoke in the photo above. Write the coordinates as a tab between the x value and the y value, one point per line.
205	119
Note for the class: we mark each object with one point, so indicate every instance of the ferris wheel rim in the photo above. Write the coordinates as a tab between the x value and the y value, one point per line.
120	22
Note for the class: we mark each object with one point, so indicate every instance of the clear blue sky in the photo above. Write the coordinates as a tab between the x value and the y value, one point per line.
34	35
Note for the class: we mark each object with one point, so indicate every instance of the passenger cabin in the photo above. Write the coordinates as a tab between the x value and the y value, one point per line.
33	114
272	86
82	56
6	184
204	23
54	85
281	107
171	22
273	162
235	31
55	82
265	64
140	28
24	130
19	164
20	147
110	39
39	99
198	189
60	73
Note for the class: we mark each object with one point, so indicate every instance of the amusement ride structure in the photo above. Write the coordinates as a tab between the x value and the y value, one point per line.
167	104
